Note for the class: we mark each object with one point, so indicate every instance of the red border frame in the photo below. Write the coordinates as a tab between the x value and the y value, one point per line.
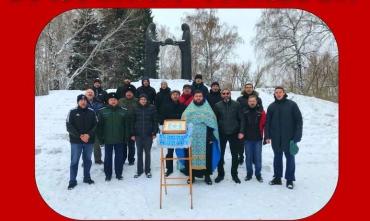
23	20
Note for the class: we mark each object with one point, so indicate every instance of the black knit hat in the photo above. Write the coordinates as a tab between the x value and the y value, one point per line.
130	88
112	95
198	76
143	95
80	97
215	83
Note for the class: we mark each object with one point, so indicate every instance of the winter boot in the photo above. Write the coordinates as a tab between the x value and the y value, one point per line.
72	185
259	179
208	180
168	173
236	178
247	178
99	162
219	178
137	175
289	184
89	181
275	181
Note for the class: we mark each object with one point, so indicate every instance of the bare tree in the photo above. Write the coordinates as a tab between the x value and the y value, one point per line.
41	67
244	75
212	42
105	35
286	38
237	75
259	74
52	51
230	79
322	76
169	56
101	46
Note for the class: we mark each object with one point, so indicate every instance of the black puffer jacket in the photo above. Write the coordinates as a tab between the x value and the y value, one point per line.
243	100
162	97
81	121
149	91
229	117
254	123
283	123
200	87
100	94
213	98
145	118
171	110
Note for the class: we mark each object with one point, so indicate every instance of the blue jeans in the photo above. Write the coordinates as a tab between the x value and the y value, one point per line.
278	165
253	151
118	159
76	151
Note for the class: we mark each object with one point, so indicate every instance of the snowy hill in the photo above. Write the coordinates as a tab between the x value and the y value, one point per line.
316	173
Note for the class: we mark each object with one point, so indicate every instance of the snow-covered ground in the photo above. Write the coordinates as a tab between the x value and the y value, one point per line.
316	173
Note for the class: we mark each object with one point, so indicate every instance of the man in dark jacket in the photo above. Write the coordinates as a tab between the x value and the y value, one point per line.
162	97
283	124
231	127
130	102
247	91
172	110
243	101
214	95
114	130
121	90
100	94
198	85
145	131
96	106
186	97
81	125
254	125
147	89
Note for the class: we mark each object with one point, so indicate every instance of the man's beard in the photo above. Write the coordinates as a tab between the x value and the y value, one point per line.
198	103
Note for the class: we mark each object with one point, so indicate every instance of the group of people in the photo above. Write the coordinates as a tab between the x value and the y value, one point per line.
128	120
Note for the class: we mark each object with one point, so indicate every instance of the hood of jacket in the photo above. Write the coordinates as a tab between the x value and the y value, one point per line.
143	79
165	91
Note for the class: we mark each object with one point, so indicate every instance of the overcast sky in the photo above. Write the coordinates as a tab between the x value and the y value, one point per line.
243	19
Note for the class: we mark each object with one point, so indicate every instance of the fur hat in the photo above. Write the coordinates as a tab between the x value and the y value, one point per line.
112	95
97	80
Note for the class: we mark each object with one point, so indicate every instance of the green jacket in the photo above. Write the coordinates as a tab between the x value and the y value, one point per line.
130	105
114	125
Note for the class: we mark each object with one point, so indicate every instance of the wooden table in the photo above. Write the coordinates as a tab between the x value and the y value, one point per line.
164	179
